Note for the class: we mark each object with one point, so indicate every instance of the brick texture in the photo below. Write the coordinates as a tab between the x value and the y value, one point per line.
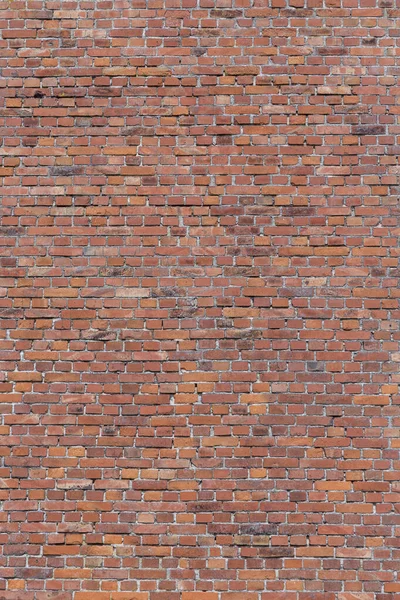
199	299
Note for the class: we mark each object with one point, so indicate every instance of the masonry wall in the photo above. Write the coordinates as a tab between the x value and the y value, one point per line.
199	300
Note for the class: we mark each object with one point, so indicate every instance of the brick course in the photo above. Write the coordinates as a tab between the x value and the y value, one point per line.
199	301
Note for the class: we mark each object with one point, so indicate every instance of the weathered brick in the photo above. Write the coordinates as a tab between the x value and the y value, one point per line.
199	338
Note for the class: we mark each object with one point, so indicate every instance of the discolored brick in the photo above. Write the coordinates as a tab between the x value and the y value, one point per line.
199	300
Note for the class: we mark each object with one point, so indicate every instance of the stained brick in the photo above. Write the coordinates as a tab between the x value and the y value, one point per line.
199	338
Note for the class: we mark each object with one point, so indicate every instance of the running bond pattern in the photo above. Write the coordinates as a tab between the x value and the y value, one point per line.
199	300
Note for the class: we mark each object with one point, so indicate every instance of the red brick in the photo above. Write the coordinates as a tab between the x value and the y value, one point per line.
199	306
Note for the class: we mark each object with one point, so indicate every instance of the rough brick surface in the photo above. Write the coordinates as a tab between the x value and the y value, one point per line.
199	300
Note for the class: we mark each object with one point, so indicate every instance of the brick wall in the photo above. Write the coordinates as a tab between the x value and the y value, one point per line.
199	300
